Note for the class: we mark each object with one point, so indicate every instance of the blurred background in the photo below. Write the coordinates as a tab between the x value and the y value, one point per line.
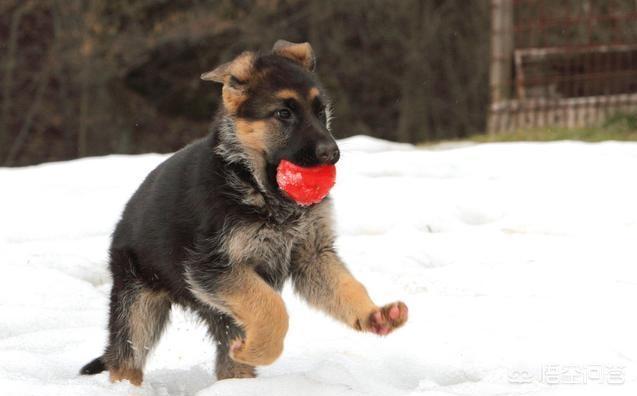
82	78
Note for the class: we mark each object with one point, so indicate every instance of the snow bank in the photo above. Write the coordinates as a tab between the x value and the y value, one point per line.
517	261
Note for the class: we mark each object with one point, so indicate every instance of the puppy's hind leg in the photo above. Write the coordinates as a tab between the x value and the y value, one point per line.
138	316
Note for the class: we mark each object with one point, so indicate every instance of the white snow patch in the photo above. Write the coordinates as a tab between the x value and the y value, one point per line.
518	262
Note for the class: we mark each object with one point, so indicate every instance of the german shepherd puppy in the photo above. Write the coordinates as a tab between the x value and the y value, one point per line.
210	230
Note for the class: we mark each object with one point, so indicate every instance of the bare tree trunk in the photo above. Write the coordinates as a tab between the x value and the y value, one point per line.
86	53
81	134
407	95
43	81
119	102
12	47
64	94
414	116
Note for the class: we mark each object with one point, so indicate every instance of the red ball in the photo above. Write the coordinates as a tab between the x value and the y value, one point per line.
306	186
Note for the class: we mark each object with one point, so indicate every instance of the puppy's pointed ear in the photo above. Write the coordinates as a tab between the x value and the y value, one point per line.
240	69
218	74
300	53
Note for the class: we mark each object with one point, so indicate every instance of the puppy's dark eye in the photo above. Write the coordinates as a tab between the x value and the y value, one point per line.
283	114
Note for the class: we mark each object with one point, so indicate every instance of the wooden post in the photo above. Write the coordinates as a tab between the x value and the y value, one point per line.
501	61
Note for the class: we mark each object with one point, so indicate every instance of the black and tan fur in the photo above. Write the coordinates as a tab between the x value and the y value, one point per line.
209	230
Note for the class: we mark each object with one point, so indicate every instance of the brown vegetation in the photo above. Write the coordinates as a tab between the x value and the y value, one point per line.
82	78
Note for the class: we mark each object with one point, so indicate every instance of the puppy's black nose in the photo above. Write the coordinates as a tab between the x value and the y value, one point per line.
327	152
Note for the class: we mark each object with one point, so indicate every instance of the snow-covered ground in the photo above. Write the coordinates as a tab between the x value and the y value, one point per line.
518	263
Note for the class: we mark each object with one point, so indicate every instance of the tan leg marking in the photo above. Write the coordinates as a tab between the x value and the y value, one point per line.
261	312
349	300
134	376
319	275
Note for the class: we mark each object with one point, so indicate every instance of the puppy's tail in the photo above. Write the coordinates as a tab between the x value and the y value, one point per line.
95	366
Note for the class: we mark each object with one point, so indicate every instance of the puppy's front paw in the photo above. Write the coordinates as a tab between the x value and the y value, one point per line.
259	353
385	319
